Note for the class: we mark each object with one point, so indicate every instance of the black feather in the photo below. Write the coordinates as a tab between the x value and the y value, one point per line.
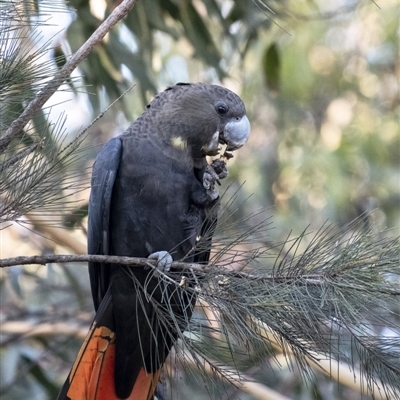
148	196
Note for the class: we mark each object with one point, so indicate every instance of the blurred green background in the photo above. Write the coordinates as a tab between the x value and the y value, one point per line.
320	80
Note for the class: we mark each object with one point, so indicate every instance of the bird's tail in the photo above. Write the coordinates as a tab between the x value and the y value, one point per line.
92	375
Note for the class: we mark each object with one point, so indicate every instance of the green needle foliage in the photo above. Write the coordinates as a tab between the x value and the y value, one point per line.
330	295
35	167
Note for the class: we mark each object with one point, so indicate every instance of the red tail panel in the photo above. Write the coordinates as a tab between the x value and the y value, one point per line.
145	386
92	375
93	371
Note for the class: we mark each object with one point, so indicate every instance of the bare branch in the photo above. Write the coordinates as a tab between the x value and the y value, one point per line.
20	329
118	13
309	280
51	258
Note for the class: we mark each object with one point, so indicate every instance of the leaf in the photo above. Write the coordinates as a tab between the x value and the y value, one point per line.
40	376
237	12
59	56
10	359
119	51
138	23
60	59
170	7
44	130
198	34
14	280
74	284
154	11
74	218
272	67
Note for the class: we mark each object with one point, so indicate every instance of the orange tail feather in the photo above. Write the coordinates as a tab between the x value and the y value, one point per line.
92	375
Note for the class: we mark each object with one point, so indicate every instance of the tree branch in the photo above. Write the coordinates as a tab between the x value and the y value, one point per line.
314	280
118	13
132	261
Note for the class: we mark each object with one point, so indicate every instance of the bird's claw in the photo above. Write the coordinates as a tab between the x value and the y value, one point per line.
212	174
164	260
219	167
210	177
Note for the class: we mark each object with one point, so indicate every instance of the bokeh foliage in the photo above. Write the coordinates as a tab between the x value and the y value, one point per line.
320	82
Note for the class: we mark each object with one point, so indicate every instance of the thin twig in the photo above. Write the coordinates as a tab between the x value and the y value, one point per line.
339	371
18	157
314	279
241	381
118	13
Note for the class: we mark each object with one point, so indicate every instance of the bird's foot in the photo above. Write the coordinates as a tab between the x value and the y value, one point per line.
219	166
212	174
210	177
164	260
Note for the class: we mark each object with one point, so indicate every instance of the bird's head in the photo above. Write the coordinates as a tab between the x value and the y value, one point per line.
200	116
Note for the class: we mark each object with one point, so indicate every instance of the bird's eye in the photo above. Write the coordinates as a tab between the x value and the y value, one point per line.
222	108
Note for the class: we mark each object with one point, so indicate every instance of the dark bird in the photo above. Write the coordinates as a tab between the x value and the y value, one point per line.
153	195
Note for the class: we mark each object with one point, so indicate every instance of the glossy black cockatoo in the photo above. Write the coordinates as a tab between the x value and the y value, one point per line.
152	195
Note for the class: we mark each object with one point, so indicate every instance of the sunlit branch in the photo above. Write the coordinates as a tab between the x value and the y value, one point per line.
118	13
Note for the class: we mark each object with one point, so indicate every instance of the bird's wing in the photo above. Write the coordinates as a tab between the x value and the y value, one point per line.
104	174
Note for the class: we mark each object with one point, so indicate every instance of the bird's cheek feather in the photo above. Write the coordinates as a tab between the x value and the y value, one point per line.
236	133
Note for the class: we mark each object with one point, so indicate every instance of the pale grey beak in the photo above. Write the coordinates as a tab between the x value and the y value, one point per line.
236	133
